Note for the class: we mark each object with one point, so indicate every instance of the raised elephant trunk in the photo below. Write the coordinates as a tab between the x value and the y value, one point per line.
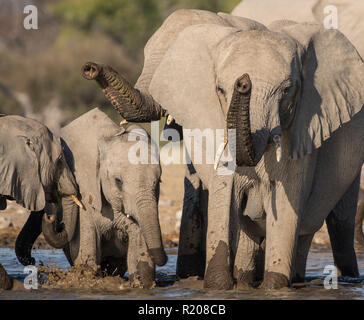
149	225
238	119
132	104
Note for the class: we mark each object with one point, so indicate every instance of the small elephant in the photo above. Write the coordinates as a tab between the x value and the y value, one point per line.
34	173
119	227
292	95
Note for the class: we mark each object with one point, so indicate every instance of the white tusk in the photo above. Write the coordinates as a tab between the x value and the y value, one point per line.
169	119
277	141
78	202
123	122
219	154
128	215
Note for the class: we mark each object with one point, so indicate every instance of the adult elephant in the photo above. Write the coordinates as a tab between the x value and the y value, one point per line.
119	227
34	173
350	22
293	86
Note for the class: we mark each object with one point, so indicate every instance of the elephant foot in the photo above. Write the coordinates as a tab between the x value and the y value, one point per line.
143	277
221	280
274	281
6	283
218	275
244	280
190	266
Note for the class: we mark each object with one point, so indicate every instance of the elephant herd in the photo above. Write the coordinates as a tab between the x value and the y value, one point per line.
288	97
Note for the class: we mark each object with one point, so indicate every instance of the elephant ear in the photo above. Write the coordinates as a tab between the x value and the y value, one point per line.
185	81
81	137
19	172
349	17
332	89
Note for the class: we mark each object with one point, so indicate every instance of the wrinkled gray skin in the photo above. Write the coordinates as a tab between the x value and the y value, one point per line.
111	188
306	87
359	218
350	14
350	23
34	173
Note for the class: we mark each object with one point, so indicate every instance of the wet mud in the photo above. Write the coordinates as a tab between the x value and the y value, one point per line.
57	280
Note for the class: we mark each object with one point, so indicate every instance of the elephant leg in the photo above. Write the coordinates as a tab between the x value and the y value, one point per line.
340	225
84	246
191	248
281	239
140	265
303	247
248	261
26	238
359	217
6	283
3	203
218	273
114	266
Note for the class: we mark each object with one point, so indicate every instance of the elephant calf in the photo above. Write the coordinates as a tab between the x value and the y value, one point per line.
33	172
118	228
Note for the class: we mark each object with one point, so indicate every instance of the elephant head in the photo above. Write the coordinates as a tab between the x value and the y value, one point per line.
106	176
34	173
301	79
131	184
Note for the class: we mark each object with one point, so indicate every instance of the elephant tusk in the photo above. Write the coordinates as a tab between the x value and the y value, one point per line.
219	153
123	122
277	141
169	119
78	202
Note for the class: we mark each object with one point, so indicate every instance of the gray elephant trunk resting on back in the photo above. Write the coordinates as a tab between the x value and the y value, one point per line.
129	102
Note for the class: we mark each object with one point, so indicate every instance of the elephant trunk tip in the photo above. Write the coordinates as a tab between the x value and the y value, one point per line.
243	84
158	256
90	70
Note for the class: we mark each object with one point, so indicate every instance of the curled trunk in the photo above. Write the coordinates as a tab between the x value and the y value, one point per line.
238	118
59	238
132	105
27	236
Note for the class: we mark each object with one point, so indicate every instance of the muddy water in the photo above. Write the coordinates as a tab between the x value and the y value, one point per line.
169	288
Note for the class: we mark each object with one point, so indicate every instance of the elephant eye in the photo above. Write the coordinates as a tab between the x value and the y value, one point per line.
119	183
221	90
286	91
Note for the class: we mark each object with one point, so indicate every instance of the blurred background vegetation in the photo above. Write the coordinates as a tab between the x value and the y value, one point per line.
40	69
